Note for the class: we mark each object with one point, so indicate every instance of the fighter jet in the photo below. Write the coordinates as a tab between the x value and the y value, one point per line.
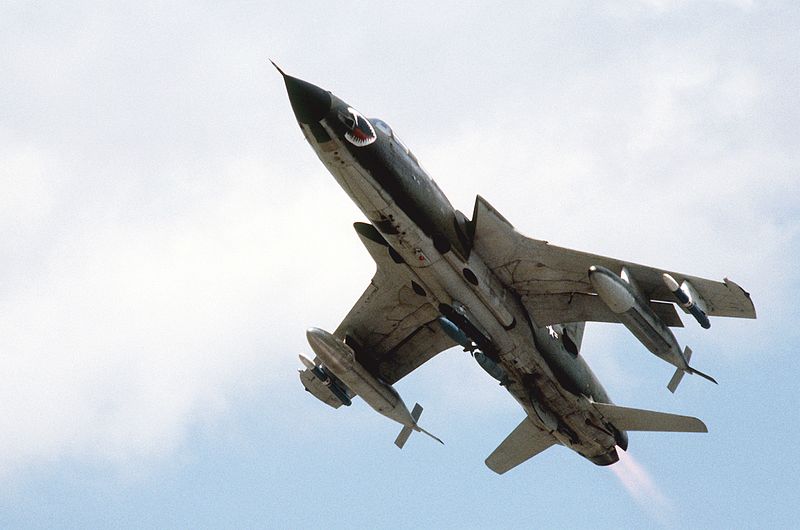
518	305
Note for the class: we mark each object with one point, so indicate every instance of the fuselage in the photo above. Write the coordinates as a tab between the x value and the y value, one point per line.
431	243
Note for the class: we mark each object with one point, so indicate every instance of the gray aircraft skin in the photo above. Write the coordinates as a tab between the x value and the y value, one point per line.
519	305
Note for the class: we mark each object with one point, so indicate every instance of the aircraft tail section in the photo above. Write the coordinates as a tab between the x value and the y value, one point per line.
627	419
524	442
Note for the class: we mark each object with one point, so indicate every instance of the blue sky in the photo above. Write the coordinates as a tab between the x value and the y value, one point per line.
168	236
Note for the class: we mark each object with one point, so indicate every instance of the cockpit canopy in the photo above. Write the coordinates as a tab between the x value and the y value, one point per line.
384	127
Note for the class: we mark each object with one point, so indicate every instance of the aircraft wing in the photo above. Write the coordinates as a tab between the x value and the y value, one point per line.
553	282
392	328
524	442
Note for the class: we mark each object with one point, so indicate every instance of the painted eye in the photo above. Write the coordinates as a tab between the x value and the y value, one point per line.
349	120
360	131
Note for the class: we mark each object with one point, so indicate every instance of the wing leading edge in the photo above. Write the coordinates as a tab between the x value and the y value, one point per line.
392	328
554	284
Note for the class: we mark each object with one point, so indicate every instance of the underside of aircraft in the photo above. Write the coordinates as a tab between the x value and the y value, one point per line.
518	305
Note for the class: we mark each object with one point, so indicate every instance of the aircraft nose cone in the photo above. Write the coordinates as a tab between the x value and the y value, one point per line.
309	102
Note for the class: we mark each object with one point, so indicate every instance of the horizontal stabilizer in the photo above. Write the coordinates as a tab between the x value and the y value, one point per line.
627	419
524	442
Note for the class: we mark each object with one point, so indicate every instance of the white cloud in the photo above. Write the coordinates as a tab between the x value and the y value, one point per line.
125	330
666	161
663	6
27	196
155	265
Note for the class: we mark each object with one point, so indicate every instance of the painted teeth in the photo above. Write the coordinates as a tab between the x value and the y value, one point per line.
359	142
369	132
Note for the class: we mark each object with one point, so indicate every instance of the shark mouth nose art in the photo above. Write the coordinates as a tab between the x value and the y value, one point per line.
360	132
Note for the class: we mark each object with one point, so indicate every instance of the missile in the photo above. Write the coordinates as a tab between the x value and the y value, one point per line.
456	333
307	362
492	367
673	287
636	315
684	296
488	364
339	359
333	385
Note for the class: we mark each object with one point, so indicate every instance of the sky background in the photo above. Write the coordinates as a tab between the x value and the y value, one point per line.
166	237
